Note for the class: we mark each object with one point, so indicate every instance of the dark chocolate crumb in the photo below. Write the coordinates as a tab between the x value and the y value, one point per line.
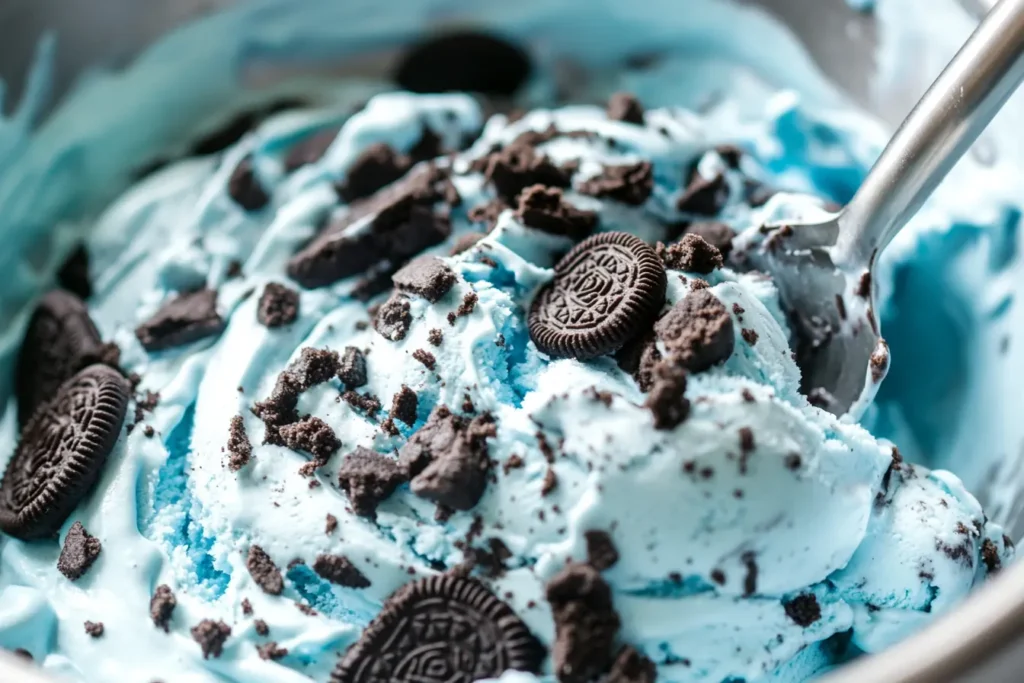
148	431
403	405
990	556
393	318
586	624
340	570
74	273
245	188
312	435
514	462
624	106
718	576
161	606
748	396
864	285
426	276
601	551
263	571
718	235
239	445
352	368
544	208
184	319
550	482
271	651
435	336
278	305
518	166
666	399
366	403
749	335
369	478
630	184
426	358
261	627
793	461
704	197
376	167
468	304
211	635
804	609
79	552
632	667
692	254
246	607
94	628
750	578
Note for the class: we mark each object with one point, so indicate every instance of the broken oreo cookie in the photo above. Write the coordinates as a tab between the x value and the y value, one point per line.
61	339
440	629
464	61
62	452
182	320
605	290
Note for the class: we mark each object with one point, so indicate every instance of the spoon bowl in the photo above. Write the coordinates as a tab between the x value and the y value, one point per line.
822	267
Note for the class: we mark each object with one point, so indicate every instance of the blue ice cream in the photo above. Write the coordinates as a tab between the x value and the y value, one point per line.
740	532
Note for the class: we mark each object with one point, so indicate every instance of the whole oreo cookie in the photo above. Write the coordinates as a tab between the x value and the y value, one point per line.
61	339
441	628
61	453
608	289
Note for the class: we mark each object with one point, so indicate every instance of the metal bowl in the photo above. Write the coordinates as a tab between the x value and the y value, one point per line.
982	640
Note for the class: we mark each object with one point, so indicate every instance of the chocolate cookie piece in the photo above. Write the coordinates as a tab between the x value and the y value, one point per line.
630	184
94	628
804	609
518	166
311	435
211	635
182	320
369	478
472	635
73	275
62	452
263	571
352	368
161	606
278	305
340	570
79	552
61	339
403	405
605	290
311	149
456	478
402	220
245	188
464	61
703	197
376	167
545	209
586	624
393	318
425	276
632	667
624	106
698	330
666	399
692	254
239	446
601	551
718	235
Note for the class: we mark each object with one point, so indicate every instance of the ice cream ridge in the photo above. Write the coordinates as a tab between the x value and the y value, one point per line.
406	394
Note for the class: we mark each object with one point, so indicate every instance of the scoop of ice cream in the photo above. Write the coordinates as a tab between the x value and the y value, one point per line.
338	393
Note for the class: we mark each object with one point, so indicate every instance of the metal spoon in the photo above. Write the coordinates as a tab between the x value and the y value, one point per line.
823	270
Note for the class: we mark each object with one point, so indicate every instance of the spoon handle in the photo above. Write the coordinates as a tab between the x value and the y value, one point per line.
948	119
